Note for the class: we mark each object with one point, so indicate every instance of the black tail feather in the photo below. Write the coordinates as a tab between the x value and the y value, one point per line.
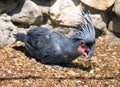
20	36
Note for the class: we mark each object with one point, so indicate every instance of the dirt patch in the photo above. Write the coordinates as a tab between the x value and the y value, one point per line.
18	68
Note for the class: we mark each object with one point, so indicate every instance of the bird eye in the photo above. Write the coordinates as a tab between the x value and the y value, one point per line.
82	42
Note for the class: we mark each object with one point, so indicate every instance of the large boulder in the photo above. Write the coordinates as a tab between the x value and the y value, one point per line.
99	4
30	13
116	7
7	29
44	5
64	12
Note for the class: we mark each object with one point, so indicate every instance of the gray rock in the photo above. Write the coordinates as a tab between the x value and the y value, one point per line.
99	4
30	13
99	22
7	29
65	12
116	7
44	5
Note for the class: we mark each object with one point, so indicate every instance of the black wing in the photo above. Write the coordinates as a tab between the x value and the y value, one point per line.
47	45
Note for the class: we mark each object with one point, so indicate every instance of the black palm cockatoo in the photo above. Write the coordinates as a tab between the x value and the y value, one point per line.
51	47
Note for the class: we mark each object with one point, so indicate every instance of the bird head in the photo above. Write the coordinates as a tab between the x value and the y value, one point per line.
85	36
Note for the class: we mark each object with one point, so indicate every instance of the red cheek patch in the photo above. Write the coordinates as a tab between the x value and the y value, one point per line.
83	49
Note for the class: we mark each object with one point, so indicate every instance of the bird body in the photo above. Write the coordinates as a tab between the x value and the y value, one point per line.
51	47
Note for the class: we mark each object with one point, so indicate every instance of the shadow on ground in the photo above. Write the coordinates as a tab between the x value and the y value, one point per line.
70	65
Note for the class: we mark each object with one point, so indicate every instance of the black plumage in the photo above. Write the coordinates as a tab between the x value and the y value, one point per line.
51	47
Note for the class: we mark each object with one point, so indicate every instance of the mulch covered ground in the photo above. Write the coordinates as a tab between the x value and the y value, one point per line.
17	68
